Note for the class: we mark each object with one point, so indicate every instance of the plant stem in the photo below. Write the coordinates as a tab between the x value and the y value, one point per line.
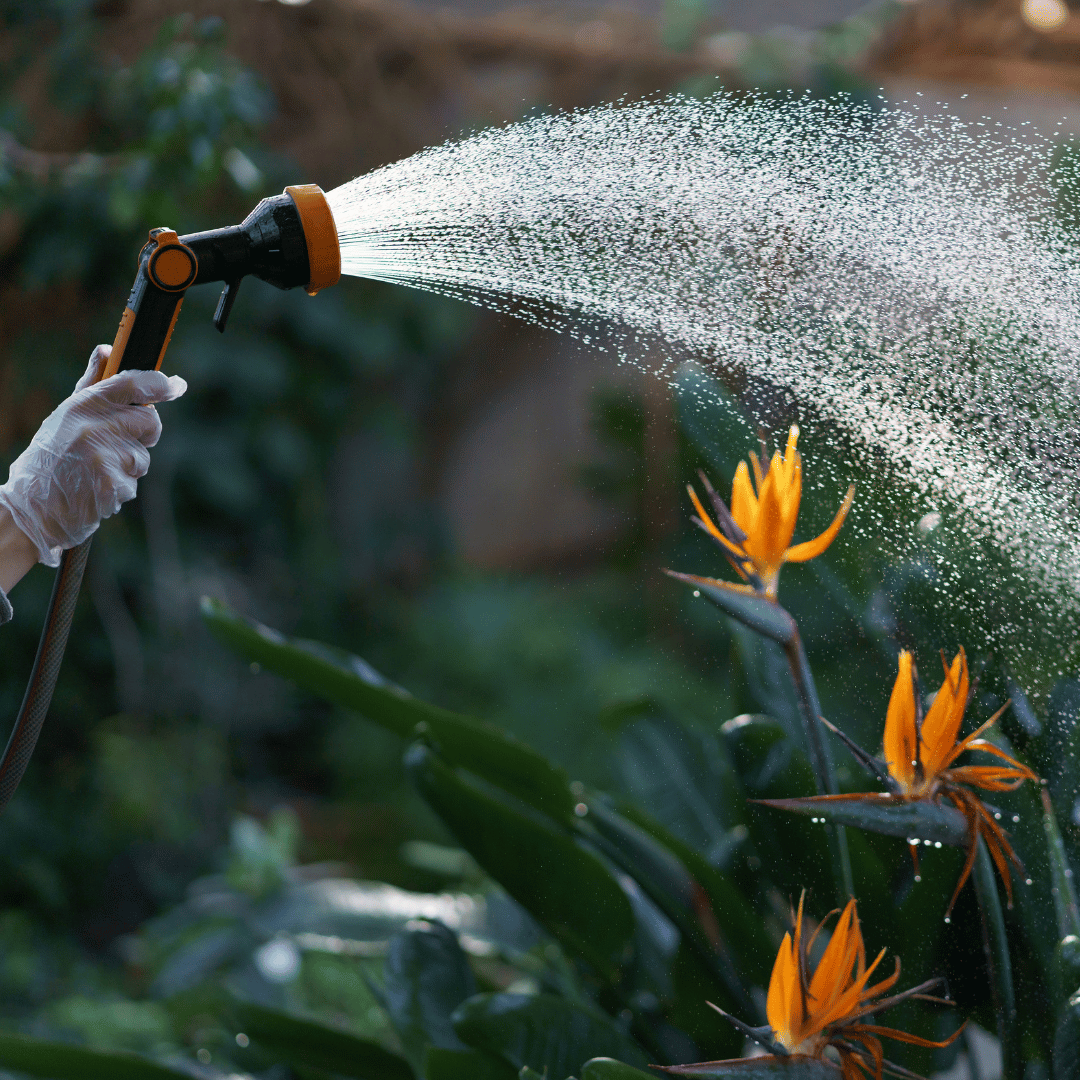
825	777
996	947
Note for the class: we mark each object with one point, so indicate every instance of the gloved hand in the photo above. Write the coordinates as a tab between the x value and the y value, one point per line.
85	458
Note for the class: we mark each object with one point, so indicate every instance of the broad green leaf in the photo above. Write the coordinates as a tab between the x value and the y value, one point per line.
605	1068
741	926
441	1064
61	1061
426	976
685	778
794	853
668	883
309	1043
566	887
883	813
759	1068
340	677
1067	1042
547	1033
763	616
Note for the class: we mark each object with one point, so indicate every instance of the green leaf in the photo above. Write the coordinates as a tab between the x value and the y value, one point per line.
441	1064
308	1043
763	616
347	680
547	1033
668	883
426	976
605	1068
61	1061
759	1068
742	927
1067	1042
566	887
883	813
685	779
795	853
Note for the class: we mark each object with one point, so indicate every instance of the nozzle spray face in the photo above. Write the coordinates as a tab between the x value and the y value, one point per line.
320	234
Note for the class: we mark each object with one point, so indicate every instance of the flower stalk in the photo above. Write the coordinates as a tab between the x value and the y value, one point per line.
810	710
998	961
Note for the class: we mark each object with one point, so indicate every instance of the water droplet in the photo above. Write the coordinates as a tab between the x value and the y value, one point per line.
918	878
581	809
937	843
1028	881
697	592
947	920
1016	819
928	843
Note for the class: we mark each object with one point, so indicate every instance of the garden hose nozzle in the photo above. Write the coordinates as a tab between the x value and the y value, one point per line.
287	240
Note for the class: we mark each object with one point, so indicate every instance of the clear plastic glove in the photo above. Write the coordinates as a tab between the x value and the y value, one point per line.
86	457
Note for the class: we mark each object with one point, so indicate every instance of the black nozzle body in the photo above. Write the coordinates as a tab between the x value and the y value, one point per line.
268	243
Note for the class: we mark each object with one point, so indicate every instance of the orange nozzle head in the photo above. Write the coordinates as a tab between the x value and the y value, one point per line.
320	233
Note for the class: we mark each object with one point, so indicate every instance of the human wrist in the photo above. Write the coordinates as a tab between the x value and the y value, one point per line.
17	552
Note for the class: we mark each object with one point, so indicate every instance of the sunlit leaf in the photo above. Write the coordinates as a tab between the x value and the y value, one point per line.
882	813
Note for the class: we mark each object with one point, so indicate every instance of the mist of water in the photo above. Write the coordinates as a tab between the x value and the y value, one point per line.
900	274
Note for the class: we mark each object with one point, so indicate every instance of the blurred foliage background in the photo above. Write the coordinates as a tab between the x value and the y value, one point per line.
317	476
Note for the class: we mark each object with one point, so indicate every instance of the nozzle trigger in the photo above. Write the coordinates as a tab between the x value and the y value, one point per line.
225	303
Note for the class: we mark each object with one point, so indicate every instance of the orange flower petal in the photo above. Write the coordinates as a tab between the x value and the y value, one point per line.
901	738
744	503
783	1006
811	548
943	718
768	542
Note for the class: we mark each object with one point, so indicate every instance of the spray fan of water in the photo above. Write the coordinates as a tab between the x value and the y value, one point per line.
899	274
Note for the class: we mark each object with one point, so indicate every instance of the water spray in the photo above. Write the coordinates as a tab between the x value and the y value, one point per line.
288	240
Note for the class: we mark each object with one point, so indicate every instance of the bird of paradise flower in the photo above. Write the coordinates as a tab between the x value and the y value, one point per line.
811	1011
919	754
755	534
